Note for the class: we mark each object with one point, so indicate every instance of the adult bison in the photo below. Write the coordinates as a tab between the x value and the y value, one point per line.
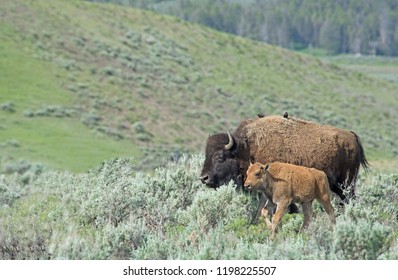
337	152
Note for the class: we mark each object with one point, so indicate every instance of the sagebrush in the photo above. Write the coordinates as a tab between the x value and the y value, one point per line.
114	212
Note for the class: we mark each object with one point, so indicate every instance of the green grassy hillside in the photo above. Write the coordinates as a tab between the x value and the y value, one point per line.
83	82
385	68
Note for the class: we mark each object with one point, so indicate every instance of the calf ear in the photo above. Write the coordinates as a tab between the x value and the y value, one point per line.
266	167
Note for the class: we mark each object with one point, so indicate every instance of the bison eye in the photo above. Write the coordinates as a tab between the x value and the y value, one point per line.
220	157
257	174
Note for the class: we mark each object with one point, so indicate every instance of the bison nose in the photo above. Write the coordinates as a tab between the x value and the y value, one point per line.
204	179
247	186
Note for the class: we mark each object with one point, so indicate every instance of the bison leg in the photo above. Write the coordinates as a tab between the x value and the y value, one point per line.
261	205
345	192
334	187
307	211
293	208
239	183
280	211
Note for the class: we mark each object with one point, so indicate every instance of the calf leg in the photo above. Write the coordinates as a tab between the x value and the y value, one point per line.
307	211
327	205
280	210
264	213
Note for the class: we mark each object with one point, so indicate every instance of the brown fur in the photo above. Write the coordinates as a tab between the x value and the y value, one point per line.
285	183
335	151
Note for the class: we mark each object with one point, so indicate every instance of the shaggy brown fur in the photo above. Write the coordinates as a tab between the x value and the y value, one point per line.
285	183
335	151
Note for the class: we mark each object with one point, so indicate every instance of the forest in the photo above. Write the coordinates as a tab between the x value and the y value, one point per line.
341	26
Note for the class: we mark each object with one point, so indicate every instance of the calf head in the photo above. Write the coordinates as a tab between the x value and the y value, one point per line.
221	164
255	177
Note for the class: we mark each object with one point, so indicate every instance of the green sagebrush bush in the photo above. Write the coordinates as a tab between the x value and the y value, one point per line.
360	240
24	229
114	193
15	179
22	171
10	190
210	208
115	212
17	243
113	197
377	199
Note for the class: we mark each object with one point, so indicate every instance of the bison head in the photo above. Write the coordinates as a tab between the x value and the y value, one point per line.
221	164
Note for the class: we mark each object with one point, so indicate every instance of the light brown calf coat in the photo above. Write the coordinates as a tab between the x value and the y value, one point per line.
284	183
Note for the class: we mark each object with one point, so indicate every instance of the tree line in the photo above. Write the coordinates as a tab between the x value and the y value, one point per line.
339	26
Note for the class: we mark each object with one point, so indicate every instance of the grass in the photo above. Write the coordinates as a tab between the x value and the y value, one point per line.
62	143
385	165
379	67
27	81
179	81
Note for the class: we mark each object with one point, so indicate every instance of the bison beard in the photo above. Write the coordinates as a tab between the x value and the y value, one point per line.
337	152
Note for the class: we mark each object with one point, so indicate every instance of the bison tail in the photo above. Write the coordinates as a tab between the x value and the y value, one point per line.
362	159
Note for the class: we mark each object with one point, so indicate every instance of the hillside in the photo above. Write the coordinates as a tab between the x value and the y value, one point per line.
86	82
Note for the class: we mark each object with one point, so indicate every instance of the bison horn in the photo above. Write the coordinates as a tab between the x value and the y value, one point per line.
230	142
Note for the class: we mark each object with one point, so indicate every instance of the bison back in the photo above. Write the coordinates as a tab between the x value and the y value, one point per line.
332	150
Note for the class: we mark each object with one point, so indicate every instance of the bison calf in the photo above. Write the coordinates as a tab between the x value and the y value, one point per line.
284	183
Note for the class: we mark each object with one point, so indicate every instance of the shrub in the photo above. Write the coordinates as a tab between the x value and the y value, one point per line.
116	212
8	107
25	171
24	234
17	243
211	208
121	241
90	119
361	240
10	191
51	111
